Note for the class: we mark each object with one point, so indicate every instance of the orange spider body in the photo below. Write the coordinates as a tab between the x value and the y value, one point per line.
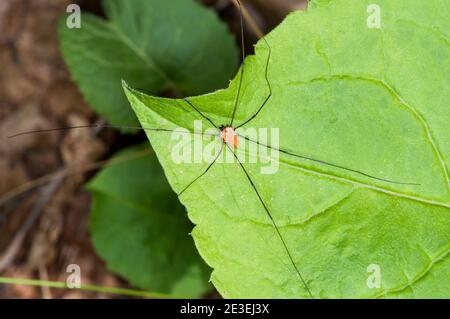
229	136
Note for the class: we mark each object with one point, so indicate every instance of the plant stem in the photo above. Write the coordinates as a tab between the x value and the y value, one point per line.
93	288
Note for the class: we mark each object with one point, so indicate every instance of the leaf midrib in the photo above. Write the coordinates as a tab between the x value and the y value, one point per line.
440	257
147	59
360	184
339	178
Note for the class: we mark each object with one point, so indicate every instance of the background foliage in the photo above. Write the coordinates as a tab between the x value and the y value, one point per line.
140	228
157	45
175	46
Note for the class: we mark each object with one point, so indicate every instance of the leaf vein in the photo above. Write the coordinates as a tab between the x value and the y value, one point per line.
426	271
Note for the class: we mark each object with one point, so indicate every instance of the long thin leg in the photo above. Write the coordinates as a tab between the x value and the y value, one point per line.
273	222
236	102
266	76
326	163
202	174
106	126
201	114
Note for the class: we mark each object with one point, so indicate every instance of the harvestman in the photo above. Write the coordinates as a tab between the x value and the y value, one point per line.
229	138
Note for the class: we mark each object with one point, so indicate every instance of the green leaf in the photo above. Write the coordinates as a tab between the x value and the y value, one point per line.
372	100
155	45
140	229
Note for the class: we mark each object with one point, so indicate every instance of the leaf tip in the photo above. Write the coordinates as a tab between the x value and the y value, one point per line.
125	85
129	91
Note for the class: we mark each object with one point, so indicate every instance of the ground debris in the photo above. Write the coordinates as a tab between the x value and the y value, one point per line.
36	93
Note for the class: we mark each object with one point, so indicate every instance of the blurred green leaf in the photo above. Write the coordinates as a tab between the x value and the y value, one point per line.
152	44
139	227
375	100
